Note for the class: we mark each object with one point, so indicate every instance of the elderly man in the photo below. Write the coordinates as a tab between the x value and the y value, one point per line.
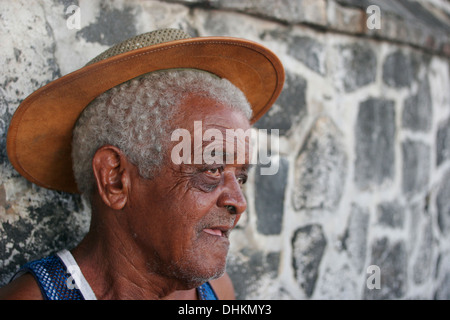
160	227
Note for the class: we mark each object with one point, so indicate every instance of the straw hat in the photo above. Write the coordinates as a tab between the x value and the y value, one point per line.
40	133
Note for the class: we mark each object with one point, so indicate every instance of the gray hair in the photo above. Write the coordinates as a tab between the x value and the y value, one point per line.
136	118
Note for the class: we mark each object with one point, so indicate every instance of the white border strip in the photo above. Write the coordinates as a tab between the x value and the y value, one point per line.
74	269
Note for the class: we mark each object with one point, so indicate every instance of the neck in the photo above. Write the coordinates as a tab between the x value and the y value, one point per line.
114	265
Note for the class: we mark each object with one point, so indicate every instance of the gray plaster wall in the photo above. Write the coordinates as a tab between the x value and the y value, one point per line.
363	185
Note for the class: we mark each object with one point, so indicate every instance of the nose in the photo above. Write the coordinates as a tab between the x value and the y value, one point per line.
232	197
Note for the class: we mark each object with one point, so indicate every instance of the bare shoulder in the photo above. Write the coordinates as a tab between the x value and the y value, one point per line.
24	287
224	287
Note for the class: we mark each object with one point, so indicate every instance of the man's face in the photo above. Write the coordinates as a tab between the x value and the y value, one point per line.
182	218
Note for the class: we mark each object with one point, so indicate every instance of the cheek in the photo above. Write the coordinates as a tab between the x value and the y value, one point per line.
172	219
196	210
202	202
182	217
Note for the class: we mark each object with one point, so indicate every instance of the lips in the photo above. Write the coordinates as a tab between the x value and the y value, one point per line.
217	231
214	232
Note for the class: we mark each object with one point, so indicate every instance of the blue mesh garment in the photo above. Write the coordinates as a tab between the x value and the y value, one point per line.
53	279
206	292
57	284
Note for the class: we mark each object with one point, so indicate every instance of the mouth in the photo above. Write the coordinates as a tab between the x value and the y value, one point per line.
219	231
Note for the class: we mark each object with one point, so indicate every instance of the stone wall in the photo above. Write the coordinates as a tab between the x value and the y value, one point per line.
363	186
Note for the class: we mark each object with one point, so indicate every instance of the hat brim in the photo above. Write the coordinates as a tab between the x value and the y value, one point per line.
40	133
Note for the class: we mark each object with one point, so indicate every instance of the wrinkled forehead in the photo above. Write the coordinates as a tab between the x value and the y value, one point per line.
211	112
224	145
212	132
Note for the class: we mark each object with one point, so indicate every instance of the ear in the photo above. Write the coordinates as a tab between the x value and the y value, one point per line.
111	177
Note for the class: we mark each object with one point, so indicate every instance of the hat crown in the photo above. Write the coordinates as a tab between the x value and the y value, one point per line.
141	41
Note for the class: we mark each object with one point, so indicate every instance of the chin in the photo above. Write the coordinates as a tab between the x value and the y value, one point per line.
203	263
192	277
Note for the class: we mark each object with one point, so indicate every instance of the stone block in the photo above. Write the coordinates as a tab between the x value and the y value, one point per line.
399	69
443	204
27	55
309	51
443	290
312	11
292	12
5	118
111	26
443	275
391	214
269	199
418	109
443	142
408	22
354	241
320	168
41	230
308	246
356	3
424	263
251	268
416	166
346	19
391	258
289	108
338	282
375	136
355	67
418	13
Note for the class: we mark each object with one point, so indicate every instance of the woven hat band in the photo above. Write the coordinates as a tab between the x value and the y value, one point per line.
141	41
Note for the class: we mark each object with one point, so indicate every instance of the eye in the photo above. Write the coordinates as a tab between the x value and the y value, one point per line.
241	179
213	172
